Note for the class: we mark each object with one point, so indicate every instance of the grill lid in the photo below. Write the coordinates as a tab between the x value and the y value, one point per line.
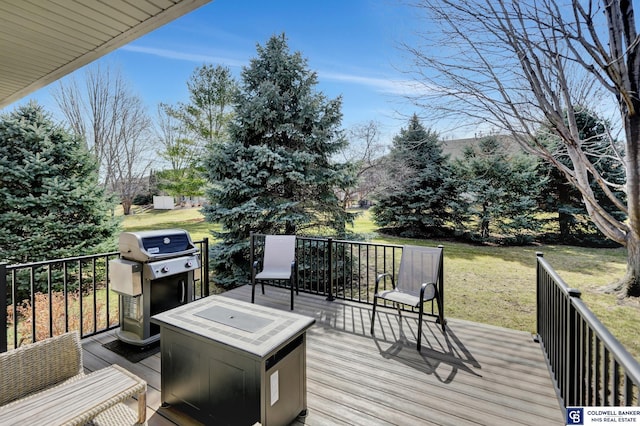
145	246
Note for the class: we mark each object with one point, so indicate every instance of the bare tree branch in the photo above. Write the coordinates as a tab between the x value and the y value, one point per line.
520	66
113	122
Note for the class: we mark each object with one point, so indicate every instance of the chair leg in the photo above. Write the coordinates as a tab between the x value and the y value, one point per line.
291	285
440	319
420	327
373	313
253	291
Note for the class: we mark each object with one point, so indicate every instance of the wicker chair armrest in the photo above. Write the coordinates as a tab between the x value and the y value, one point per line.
139	390
116	385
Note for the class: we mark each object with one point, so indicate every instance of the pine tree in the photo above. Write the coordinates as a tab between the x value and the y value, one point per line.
574	223
416	202
502	190
51	205
274	174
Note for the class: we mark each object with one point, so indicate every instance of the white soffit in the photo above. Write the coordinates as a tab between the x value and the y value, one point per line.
44	40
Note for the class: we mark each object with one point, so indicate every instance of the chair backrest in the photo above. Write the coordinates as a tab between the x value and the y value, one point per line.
418	265
279	252
40	365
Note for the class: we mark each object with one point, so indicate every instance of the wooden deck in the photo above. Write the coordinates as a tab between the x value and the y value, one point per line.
474	374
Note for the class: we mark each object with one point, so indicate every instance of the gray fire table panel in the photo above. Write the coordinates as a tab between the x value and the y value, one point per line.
226	361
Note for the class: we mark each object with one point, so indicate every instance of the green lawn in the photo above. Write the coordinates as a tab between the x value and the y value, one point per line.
488	284
189	219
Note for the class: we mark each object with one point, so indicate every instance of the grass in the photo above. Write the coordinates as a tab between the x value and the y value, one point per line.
487	284
189	219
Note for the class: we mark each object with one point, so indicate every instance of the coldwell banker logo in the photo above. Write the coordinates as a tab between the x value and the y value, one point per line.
575	416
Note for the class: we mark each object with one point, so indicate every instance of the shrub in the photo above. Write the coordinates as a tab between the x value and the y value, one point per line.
58	322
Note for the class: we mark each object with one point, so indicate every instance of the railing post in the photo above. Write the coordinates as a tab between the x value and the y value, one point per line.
252	256
205	265
441	290
3	304
330	269
536	338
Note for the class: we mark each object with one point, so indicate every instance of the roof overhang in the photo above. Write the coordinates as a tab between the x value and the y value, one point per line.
42	41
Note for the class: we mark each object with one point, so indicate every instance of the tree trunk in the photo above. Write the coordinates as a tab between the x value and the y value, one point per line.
126	206
629	285
632	128
631	280
564	219
290	228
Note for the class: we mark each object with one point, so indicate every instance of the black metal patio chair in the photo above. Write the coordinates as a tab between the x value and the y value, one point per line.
420	279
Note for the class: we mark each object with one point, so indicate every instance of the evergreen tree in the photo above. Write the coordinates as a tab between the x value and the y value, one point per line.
417	200
51	204
574	223
274	174
502	190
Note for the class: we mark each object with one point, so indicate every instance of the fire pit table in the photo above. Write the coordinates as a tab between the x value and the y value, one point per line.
226	361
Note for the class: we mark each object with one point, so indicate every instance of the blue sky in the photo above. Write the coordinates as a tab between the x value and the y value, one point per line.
353	45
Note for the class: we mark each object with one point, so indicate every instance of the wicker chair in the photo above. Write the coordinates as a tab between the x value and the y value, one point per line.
30	369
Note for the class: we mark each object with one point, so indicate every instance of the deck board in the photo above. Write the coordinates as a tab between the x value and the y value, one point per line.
474	374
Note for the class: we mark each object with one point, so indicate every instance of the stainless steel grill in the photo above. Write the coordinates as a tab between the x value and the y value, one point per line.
155	273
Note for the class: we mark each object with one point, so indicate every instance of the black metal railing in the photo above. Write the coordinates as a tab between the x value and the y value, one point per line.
51	297
589	365
340	269
47	298
353	266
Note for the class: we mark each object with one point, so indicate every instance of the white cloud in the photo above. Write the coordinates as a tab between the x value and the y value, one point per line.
184	56
385	85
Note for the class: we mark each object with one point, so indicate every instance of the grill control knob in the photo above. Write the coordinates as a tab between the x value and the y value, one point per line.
189	264
165	269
